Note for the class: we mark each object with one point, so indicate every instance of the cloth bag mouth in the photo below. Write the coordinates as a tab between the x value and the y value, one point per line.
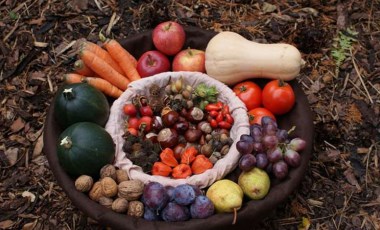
116	122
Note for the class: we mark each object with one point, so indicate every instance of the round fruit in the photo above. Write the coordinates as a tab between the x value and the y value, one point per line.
255	115
84	148
169	37
80	102
278	97
249	93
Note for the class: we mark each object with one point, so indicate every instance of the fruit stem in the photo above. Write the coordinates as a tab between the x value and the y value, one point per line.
150	60
243	88
68	94
281	83
66	142
168	26
235	216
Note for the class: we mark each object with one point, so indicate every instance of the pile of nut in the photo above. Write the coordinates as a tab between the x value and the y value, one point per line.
114	190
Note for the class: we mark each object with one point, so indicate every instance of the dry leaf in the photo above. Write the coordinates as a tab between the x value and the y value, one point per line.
268	8
29	195
17	125
6	224
38	147
29	226
12	155
349	174
305	224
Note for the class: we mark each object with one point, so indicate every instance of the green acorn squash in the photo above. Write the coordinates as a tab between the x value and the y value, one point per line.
80	102
84	148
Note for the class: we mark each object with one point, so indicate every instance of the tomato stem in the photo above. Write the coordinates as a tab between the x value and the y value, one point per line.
243	88
281	83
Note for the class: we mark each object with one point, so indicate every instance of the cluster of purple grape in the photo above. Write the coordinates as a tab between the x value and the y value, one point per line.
269	147
174	204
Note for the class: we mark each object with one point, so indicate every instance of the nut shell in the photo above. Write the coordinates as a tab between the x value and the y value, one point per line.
135	208
109	187
121	175
84	183
96	191
120	205
130	190
108	171
106	201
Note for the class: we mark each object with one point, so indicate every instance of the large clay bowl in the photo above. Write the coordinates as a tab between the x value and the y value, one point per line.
251	212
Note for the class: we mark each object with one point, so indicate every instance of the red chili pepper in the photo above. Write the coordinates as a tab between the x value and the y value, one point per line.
213	113
226	109
213	107
229	118
219	104
214	123
224	125
220	117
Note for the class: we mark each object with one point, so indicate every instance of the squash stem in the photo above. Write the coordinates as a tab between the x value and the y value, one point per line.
68	94
66	142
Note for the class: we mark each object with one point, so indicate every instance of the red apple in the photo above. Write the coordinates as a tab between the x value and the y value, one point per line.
168	37
152	62
189	60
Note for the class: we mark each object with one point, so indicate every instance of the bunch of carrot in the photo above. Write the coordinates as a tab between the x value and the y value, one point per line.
109	69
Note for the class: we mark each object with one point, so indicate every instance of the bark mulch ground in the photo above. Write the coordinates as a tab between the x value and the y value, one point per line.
338	39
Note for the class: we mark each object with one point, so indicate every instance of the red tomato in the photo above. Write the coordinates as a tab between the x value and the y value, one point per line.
278	97
130	110
256	114
146	111
133	131
133	122
249	93
147	121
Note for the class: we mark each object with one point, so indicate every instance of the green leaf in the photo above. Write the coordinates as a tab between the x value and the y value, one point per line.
13	15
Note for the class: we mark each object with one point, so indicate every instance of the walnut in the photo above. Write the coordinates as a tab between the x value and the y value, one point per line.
84	183
120	205
108	171
106	201
135	208
109	187
96	191
121	175
131	189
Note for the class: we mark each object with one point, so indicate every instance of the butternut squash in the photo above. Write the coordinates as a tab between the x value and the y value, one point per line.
231	58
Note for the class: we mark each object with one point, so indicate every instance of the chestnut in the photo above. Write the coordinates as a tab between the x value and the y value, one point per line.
193	135
178	150
170	118
195	114
205	127
181	126
157	124
152	137
167	138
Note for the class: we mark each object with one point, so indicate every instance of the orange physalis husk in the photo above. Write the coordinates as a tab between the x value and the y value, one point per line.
188	155
161	169
201	164
181	171
167	157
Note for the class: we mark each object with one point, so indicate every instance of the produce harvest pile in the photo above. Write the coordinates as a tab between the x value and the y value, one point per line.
184	130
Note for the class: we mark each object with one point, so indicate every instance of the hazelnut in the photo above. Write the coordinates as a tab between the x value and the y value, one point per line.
135	208
96	191
108	171
120	205
130	190
84	183
106	201
109	187
121	175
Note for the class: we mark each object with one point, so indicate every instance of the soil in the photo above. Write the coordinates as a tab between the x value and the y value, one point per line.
339	41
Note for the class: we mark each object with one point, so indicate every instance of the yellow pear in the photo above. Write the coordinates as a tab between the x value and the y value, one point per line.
254	183
226	195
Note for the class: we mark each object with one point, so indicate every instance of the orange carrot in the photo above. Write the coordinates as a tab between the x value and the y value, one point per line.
122	57
82	69
106	87
104	70
99	83
71	78
103	54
